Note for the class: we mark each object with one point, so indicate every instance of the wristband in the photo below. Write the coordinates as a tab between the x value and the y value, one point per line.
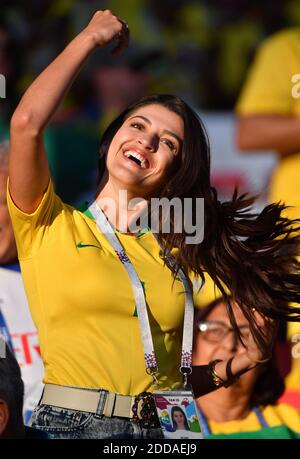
218	382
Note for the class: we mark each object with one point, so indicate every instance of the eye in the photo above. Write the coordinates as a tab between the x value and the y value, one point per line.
170	144
139	126
215	333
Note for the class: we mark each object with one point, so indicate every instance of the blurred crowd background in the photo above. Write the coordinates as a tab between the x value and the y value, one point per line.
198	49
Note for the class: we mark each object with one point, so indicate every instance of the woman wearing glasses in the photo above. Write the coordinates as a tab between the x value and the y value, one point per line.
248	408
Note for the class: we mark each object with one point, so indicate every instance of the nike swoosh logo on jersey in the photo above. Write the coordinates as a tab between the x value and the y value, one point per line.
81	245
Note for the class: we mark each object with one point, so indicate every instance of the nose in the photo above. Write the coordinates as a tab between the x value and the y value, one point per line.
149	142
231	342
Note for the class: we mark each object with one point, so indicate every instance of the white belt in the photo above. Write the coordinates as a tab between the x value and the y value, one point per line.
72	398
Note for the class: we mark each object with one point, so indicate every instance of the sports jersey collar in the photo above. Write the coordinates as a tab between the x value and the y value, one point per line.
141	233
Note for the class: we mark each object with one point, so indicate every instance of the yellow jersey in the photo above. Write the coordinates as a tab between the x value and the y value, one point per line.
82	302
269	89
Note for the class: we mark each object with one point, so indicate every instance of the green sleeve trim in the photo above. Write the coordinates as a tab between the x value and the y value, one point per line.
88	214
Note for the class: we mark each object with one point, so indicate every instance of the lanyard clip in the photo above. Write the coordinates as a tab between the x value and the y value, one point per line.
152	371
185	371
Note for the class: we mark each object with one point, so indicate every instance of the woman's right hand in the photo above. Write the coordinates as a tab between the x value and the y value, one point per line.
105	27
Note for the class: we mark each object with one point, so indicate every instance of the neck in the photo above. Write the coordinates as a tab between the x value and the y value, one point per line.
116	203
225	405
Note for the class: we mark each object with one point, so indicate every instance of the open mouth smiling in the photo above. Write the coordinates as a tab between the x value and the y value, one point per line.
137	158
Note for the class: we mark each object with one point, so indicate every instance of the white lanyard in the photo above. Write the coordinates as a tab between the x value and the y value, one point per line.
149	354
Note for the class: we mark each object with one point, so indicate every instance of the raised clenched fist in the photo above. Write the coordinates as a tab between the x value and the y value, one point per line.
105	27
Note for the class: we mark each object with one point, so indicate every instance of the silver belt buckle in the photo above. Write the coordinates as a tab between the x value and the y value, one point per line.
123	406
118	405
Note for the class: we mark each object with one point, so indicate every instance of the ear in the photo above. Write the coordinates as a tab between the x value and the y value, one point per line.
4	416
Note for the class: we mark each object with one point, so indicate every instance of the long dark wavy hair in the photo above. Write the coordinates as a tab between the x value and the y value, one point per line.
251	255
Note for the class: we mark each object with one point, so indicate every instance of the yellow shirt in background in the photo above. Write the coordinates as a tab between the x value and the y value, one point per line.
276	415
268	90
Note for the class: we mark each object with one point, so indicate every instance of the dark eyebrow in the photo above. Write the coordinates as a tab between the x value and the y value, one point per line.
142	117
165	130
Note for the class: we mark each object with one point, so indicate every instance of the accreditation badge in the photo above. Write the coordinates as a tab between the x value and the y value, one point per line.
178	414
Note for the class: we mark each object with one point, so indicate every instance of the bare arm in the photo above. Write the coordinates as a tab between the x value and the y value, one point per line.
28	166
268	132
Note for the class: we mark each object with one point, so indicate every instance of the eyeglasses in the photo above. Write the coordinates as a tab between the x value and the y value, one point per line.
215	331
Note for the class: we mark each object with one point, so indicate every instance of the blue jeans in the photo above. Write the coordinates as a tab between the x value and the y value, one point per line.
65	423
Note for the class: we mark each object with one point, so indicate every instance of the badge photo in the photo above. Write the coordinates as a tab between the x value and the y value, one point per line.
177	415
